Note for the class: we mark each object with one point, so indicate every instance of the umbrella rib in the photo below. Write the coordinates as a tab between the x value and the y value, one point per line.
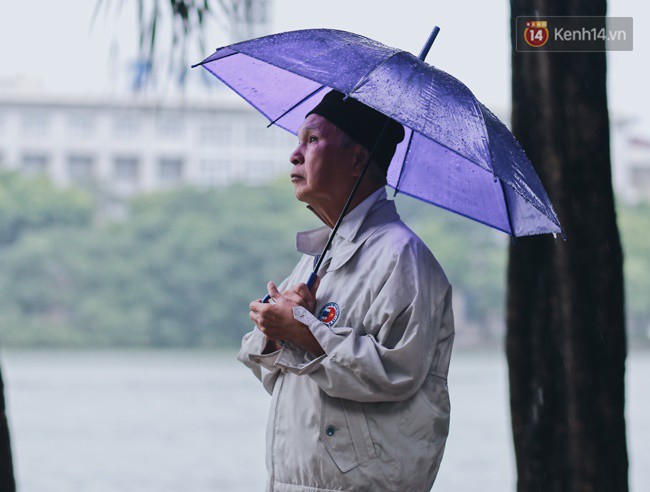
505	201
555	220
295	105
207	60
406	156
237	92
453	151
364	79
503	181
506	181
454	211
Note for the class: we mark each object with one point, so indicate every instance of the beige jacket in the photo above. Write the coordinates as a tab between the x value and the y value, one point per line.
372	413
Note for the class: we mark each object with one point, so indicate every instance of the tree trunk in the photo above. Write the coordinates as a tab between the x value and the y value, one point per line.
566	343
7	482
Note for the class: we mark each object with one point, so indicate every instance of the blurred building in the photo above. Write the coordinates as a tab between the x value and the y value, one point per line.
133	145
138	143
638	160
631	174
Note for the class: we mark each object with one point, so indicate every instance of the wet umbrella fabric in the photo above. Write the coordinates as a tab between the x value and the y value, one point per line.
456	154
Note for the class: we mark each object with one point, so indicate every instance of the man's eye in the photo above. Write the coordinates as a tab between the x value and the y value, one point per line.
312	138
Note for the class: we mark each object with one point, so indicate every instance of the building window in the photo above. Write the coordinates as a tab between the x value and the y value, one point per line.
215	132
126	170
260	135
81	168
81	124
258	171
34	164
36	124
215	171
170	125
170	170
126	124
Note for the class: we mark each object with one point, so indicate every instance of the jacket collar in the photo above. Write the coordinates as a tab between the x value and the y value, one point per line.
357	226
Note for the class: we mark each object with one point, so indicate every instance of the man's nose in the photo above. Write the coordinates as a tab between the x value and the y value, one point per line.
296	157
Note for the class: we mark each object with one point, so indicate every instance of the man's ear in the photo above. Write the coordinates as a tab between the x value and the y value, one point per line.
361	156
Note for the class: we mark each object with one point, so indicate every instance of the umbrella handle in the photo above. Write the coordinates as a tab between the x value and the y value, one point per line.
310	284
312	280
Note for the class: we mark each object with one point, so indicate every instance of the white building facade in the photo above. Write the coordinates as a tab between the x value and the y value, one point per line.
136	144
133	145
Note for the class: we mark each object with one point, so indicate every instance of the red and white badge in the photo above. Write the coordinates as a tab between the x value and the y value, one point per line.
330	313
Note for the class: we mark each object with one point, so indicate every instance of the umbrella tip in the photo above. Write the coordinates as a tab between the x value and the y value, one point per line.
429	43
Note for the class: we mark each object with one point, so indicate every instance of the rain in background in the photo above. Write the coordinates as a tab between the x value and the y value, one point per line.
131	199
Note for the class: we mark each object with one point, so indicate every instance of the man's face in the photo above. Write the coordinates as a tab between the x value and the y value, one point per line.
322	170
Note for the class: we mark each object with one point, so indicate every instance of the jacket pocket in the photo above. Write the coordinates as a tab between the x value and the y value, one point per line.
344	432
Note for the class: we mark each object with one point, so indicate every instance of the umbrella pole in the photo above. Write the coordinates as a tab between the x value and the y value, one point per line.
423	54
429	43
314	273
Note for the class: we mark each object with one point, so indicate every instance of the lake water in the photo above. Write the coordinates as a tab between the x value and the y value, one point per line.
194	421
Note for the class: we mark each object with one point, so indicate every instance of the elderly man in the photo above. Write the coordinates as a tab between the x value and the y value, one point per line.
357	367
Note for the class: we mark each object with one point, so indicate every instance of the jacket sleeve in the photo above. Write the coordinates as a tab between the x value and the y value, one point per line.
250	353
262	365
389	356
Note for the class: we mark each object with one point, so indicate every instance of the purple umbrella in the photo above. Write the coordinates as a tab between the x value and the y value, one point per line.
456	154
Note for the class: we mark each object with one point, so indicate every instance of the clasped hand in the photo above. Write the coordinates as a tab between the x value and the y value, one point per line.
275	319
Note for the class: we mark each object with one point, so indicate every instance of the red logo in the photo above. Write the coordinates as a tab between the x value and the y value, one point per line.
536	33
330	313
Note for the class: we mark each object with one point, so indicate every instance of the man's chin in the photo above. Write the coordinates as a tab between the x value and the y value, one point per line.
299	191
300	197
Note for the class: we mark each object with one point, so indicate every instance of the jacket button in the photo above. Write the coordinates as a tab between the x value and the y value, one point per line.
330	430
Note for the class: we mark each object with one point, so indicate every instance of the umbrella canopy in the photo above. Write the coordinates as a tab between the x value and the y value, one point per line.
456	154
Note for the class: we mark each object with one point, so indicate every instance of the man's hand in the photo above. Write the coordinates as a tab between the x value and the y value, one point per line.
301	295
276	320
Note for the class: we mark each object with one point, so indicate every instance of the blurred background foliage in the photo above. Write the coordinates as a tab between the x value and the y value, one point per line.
180	269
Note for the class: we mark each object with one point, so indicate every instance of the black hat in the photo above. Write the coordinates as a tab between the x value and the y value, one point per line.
362	124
